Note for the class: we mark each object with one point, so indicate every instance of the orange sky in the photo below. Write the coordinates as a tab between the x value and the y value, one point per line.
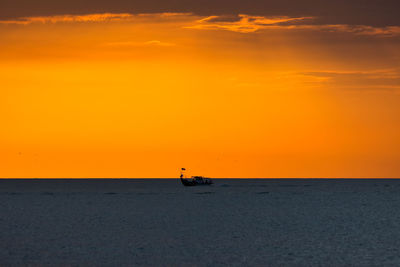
122	95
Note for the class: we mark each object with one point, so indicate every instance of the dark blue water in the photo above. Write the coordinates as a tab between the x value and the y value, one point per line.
234	222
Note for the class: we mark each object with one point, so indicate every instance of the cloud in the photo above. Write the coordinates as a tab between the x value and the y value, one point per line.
158	43
136	44
378	13
386	79
250	24
244	24
71	18
105	17
241	23
390	31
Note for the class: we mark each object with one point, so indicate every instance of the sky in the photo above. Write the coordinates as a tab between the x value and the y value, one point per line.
255	89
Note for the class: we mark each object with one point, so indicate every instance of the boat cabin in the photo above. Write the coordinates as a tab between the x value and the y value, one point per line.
195	180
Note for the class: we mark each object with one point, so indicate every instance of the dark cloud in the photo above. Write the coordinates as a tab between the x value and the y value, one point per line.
353	12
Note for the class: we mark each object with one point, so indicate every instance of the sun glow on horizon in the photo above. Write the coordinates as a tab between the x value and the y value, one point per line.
123	95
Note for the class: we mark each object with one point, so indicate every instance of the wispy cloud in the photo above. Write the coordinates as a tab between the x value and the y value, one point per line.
385	79
70	18
135	44
158	43
390	31
372	74
244	24
104	17
251	24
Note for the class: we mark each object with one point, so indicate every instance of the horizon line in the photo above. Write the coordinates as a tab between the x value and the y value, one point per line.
220	178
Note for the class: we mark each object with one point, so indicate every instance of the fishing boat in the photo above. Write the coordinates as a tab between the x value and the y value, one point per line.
194	180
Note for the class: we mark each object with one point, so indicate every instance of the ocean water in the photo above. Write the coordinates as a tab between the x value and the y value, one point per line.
250	222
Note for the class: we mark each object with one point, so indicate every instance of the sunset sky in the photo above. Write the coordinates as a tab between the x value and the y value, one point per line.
241	89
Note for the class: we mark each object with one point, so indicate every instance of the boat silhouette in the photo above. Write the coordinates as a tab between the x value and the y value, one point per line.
194	180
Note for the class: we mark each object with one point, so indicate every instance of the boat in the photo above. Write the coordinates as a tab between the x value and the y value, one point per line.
194	180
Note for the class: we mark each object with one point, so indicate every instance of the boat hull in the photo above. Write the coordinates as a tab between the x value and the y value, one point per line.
187	182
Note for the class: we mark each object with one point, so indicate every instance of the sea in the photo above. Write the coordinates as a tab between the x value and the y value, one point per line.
235	222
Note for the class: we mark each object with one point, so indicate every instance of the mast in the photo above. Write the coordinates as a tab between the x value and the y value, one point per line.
182	173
